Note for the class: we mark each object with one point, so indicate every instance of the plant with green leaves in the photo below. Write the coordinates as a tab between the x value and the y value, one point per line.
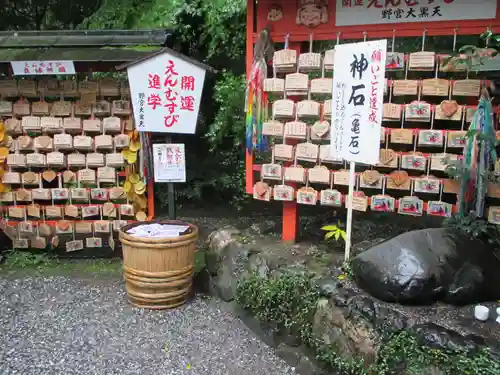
290	300
474	56
19	259
334	232
284	302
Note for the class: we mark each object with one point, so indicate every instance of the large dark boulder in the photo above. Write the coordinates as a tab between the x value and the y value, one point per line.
424	266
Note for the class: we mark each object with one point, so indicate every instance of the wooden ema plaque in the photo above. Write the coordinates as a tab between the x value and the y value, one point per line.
309	62
418	111
285	61
392	112
435	87
61	108
395	61
112	125
456	138
319	174
296	130
40	108
8	88
27	88
5	108
449	110
402	136
422	60
431	138
388	158
284	108
297	84
414	161
295	174
271	172
308	109
469	113
327	109
466	87
371	179
493	190
412	206
383	203
398	180
341	178
320	130
404	87
274	85
262	191
283	193
326	157
283	152
307	152
331	197
494	215
359	201
329	60
307	195
427	184
440	161
322	86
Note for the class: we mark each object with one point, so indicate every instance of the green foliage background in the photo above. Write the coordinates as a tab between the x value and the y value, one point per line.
210	31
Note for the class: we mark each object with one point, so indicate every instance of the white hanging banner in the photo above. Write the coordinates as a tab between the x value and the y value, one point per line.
169	160
358	100
371	12
166	93
29	68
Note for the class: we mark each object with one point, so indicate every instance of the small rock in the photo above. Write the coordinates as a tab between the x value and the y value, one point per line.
257	264
438	337
291	337
342	298
264	227
291	356
307	367
481	313
328	286
350	337
227	265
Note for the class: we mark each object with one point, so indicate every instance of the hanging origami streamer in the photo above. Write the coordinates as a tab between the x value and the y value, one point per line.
256	99
478	156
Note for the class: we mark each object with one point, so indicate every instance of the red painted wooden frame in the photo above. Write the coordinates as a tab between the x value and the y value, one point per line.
257	20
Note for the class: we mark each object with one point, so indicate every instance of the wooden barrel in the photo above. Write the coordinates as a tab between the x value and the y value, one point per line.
158	272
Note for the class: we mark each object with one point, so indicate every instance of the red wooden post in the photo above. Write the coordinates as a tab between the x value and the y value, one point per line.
249	50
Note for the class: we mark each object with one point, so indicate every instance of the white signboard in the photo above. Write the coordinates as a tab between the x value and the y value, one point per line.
166	93
370	12
29	68
357	102
169	162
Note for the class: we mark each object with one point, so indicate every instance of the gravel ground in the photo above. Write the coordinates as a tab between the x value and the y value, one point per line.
59	325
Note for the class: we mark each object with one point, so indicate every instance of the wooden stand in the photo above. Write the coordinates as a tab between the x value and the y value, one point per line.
257	19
